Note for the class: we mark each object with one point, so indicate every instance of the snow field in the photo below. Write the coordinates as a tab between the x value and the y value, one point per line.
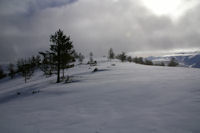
125	98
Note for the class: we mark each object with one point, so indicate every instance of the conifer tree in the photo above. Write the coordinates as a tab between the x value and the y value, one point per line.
129	59
11	70
122	57
91	58
62	50
111	54
80	58
47	64
2	74
173	62
26	68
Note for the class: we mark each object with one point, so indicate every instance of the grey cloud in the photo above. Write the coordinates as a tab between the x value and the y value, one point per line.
97	25
28	7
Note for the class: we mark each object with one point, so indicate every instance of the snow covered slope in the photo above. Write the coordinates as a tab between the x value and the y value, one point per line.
126	98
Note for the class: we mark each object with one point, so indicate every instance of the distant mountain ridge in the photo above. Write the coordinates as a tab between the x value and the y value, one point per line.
188	59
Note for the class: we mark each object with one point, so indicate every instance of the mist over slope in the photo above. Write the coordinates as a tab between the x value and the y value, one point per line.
188	59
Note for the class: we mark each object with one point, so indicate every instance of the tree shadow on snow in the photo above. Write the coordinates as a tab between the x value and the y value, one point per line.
99	70
18	94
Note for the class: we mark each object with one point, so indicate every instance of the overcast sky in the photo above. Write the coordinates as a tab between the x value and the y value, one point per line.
97	25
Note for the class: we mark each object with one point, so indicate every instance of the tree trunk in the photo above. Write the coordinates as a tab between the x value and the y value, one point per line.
58	66
25	78
58	74
63	73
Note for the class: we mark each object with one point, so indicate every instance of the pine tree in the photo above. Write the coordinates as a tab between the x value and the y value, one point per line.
80	58
47	64
2	74
111	54
173	62
148	62
36	60
140	60
11	70
26	68
27	71
91	58
129	59
162	64
63	51
122	57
